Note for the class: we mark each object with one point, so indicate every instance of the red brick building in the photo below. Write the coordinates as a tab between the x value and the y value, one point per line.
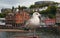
18	18
50	22
21	17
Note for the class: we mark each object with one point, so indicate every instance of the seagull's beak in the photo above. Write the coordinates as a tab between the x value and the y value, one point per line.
39	16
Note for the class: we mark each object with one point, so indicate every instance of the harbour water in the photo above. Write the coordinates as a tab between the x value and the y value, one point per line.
14	34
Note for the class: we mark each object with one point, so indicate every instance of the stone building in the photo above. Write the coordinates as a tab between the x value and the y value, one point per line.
9	19
58	15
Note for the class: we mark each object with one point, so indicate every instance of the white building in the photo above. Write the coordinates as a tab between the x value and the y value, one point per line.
2	21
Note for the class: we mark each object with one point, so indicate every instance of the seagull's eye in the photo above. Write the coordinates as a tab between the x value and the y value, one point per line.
36	13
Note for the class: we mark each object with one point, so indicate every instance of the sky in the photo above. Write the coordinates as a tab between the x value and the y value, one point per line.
15	3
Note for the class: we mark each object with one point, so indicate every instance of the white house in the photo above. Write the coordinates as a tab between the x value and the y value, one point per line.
2	21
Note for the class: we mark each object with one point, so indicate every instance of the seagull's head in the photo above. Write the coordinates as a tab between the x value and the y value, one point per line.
36	14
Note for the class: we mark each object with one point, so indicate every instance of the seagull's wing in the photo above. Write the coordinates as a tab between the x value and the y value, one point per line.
27	23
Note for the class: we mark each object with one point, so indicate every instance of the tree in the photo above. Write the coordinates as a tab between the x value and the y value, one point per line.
2	15
23	7
51	10
32	6
19	7
12	8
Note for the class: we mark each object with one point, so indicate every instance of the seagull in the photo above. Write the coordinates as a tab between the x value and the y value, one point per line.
34	21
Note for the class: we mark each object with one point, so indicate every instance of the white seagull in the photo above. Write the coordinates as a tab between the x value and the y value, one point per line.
34	21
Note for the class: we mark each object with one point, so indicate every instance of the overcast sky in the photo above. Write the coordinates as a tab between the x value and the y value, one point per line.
15	3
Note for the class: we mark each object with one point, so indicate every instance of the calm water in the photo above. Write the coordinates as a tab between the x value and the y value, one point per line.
13	34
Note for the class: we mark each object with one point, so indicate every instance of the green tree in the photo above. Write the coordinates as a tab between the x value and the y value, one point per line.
23	7
52	10
32	6
2	15
35	6
12	8
19	7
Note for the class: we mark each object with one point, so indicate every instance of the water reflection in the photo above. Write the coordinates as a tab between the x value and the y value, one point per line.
13	34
